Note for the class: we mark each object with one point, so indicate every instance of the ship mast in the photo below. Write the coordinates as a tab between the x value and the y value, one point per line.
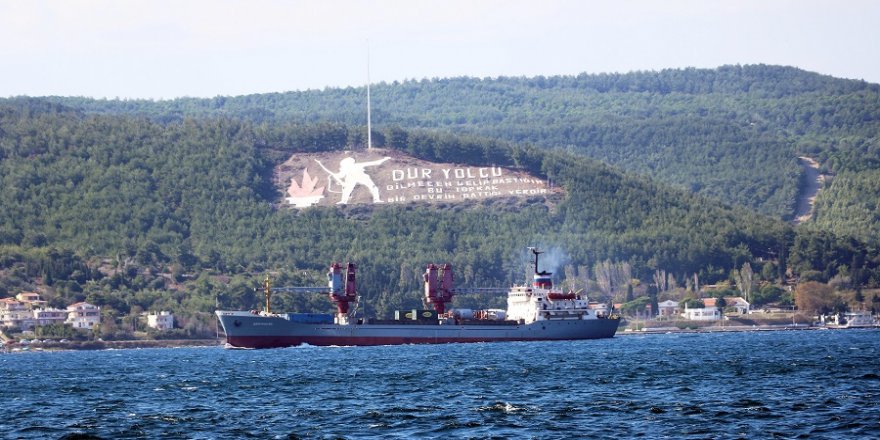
536	252
267	284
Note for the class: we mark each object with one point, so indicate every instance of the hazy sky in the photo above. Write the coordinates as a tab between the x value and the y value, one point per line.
165	49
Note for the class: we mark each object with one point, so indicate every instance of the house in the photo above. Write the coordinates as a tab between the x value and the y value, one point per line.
27	311
14	313
83	315
741	305
668	308
49	316
160	321
736	302
703	314
31	300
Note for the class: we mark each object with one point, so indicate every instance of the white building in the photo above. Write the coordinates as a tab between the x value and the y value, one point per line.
668	308
31	300
741	305
83	315
736	302
49	316
702	314
14	313
160	321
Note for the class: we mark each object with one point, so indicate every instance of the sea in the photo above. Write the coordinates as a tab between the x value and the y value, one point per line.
763	384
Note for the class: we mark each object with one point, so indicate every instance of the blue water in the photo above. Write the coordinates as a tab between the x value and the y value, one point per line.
799	384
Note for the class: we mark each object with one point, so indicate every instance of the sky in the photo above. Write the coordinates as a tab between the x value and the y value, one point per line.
163	49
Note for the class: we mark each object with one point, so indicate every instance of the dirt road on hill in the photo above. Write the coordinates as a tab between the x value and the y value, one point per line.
807	196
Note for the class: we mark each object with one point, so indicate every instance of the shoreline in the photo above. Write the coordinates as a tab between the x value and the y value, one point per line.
735	329
719	329
205	343
110	345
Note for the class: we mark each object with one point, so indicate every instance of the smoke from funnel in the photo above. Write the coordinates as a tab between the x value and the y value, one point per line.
552	259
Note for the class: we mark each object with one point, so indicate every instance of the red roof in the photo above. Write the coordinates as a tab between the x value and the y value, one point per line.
80	305
730	300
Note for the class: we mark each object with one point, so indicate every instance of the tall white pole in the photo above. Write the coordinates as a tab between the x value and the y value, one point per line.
369	123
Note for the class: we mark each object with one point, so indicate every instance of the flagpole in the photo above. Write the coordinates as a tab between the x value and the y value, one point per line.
369	123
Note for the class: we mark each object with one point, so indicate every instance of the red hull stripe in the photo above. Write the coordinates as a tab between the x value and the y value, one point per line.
290	341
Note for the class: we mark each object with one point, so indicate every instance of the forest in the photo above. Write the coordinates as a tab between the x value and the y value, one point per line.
733	133
169	205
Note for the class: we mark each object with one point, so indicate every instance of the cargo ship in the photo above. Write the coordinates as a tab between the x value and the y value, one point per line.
535	312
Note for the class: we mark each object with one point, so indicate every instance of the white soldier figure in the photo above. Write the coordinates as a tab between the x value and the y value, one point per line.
351	174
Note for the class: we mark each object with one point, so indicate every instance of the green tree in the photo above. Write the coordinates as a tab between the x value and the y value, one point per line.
721	303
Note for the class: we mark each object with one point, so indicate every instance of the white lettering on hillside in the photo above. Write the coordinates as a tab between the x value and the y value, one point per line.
356	177
420	183
457	173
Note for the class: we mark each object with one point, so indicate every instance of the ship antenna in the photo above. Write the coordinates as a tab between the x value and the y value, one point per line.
369	123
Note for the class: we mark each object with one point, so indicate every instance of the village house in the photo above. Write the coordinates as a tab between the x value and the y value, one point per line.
710	311
49	316
14	313
27	310
739	304
161	321
31	300
702	314
669	308
83	315
40	314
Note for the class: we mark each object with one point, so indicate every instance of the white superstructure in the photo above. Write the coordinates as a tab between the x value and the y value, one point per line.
539	302
530	304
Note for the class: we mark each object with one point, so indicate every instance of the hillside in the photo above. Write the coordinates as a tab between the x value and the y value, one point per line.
733	133
131	213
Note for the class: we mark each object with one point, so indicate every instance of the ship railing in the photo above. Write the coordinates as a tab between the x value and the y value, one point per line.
480	290
300	289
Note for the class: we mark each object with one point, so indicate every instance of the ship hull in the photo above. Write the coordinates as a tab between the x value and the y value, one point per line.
247	330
